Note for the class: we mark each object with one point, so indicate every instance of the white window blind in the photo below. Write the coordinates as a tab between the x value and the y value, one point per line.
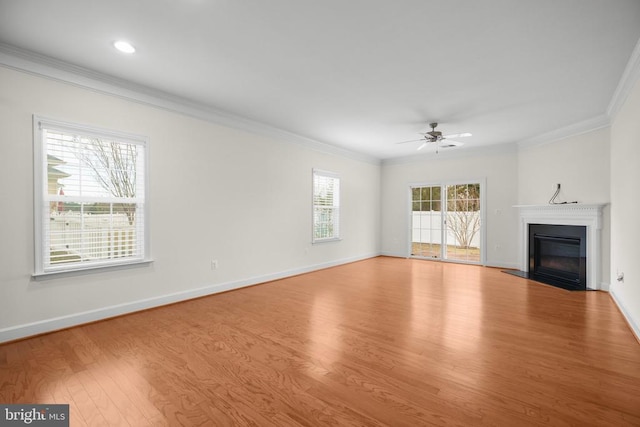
326	206
90	197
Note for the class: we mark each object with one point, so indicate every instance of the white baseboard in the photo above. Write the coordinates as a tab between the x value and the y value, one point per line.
394	254
634	327
62	322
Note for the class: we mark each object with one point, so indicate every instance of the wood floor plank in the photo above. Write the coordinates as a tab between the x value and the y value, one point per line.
83	403
100	397
381	342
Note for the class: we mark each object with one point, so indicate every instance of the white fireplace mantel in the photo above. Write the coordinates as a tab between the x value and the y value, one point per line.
588	215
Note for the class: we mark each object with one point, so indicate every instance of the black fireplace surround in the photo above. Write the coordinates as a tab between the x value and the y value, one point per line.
558	255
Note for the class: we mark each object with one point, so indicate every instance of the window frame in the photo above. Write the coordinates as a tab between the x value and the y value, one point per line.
41	193
336	207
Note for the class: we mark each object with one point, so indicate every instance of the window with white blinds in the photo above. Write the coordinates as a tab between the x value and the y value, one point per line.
326	206
90	197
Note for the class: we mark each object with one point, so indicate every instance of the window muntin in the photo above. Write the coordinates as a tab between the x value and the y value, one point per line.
326	206
90	197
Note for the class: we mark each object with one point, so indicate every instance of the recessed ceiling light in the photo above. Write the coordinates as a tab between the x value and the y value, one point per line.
124	46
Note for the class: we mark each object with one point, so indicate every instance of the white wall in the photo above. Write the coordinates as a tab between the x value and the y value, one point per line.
625	224
218	176
581	165
499	168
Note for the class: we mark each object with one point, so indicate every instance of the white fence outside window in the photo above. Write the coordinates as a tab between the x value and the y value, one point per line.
92	236
427	226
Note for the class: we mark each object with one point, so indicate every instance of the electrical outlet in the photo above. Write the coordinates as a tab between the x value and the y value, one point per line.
620	277
214	264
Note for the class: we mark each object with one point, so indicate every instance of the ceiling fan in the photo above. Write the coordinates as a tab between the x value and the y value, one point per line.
436	136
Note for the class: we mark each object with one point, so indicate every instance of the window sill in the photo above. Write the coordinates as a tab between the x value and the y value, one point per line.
335	239
90	269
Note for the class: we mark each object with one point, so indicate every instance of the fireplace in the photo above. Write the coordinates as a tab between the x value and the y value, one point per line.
587	216
558	255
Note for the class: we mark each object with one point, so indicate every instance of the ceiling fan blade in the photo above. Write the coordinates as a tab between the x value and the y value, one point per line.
424	144
413	140
457	135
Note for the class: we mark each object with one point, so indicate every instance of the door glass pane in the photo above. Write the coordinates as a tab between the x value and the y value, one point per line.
463	222
426	234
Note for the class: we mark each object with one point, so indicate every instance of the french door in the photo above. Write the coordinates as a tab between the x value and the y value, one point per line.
446	222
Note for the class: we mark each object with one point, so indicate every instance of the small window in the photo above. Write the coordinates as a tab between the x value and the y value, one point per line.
90	197
326	206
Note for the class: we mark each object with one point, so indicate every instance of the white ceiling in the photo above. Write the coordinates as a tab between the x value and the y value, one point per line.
357	74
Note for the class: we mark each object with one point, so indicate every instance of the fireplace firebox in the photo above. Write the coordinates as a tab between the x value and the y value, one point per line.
558	255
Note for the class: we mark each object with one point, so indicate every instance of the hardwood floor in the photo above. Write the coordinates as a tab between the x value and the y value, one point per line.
384	341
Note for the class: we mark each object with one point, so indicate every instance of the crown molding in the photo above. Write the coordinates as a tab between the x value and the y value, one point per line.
629	78
575	129
44	66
